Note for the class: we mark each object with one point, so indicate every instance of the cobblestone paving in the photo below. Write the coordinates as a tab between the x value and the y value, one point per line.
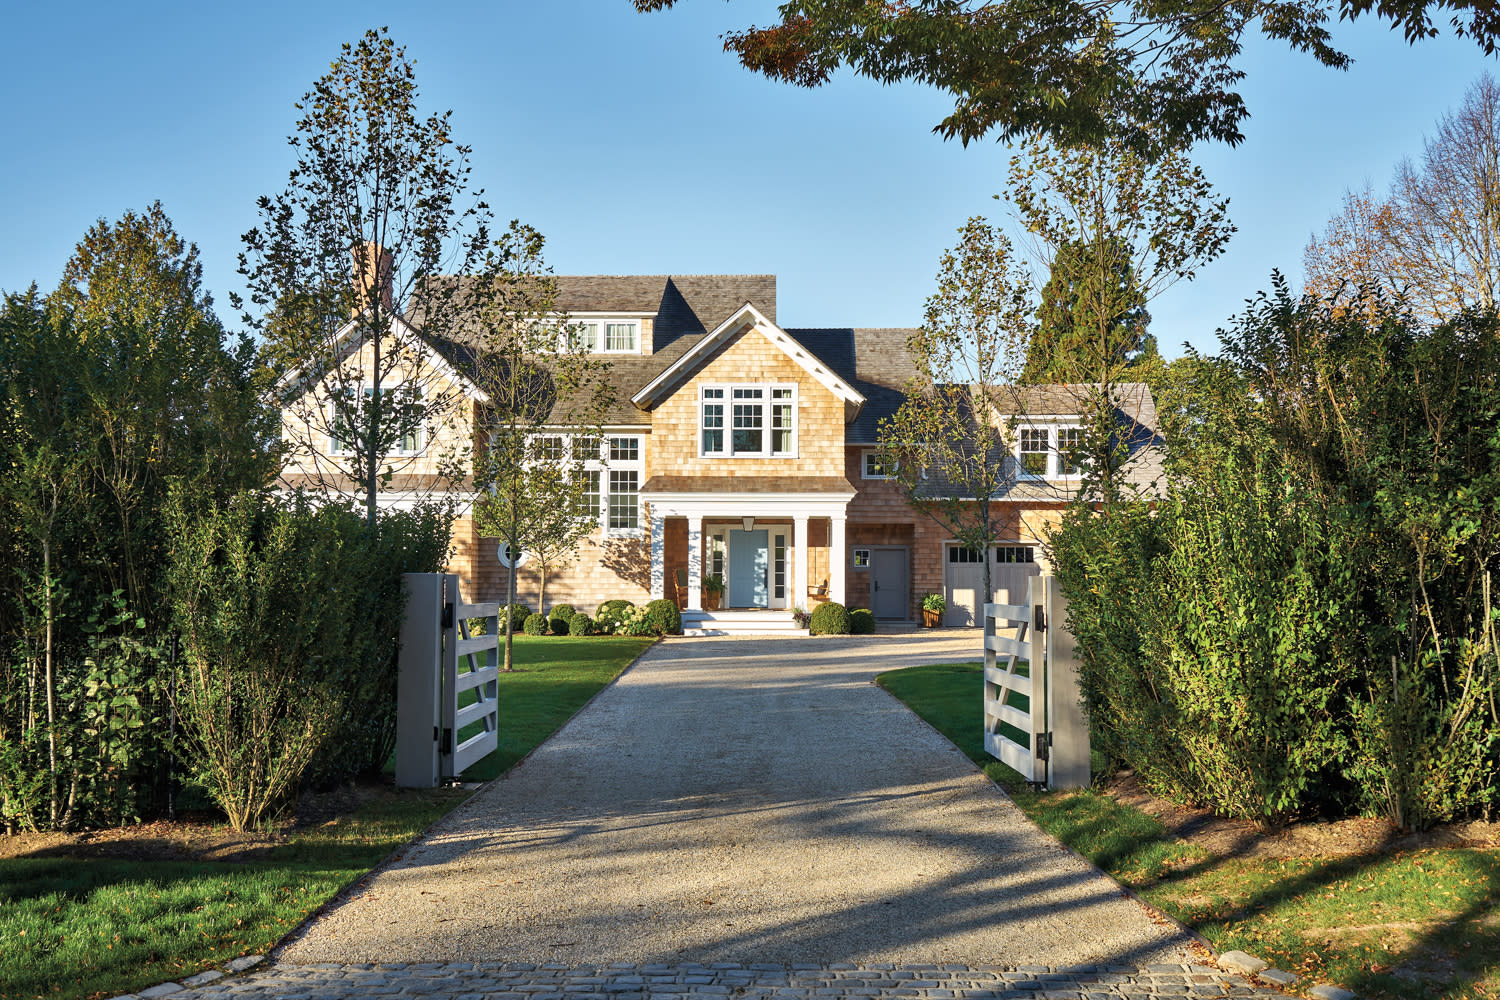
724	981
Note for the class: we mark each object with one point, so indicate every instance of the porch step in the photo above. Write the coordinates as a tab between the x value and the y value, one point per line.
703	623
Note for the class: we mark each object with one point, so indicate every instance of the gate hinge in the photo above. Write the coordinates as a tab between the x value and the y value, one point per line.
1043	746
446	746
1038	618
448	614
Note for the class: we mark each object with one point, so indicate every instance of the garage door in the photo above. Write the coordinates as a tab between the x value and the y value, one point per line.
1011	567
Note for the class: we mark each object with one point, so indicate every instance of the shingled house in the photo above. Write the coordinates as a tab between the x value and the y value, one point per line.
745	450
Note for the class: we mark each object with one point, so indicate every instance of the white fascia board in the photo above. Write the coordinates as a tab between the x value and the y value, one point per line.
748	315
429	353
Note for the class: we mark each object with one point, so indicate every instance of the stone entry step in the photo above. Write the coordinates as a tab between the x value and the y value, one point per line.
748	622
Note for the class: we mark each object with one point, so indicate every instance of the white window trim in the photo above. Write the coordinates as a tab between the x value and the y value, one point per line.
369	387
767	402
608	465
864	465
1054	458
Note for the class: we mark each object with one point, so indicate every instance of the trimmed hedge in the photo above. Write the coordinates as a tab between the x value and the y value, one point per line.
861	622
536	625
664	617
580	624
563	611
829	618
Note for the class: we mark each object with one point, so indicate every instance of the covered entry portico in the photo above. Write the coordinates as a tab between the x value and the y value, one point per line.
756	532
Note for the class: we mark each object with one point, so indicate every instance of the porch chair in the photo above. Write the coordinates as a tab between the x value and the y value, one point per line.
679	596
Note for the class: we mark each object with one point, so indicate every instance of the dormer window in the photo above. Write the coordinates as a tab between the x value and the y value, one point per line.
762	421
1053	451
607	336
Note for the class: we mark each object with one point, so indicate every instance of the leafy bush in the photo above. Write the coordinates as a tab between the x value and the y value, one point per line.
289	618
829	618
536	625
936	603
861	622
580	624
1306	620
611	613
664	617
519	612
559	617
634	621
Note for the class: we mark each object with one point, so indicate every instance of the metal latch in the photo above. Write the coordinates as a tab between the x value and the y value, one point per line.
448	614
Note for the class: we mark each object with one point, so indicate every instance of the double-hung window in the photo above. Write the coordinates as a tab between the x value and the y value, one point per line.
1036	450
762	421
1069	451
624	506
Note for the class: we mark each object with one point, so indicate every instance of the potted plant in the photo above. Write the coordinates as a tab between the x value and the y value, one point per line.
933	606
713	592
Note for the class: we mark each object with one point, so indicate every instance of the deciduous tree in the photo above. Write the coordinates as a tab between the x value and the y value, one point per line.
1149	73
541	432
948	447
378	204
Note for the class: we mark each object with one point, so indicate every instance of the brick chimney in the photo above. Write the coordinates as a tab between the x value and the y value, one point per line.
372	267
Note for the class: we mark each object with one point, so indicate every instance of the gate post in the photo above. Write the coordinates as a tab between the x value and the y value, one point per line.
1069	763
417	681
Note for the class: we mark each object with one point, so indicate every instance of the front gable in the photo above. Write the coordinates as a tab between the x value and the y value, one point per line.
747	370
748	321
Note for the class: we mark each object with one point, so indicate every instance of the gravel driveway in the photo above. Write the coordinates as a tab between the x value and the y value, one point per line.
744	800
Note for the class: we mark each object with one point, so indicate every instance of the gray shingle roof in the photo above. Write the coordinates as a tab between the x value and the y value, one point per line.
874	361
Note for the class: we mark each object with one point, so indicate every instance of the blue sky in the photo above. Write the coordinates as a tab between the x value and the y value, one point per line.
637	146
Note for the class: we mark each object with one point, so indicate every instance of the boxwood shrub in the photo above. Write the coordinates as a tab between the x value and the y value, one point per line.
861	622
563	611
829	618
536	625
580	624
664	617
519	612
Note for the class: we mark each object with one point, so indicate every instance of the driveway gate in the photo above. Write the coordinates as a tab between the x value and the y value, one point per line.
1033	718
446	699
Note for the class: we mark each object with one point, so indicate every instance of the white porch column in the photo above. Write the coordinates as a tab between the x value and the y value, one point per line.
695	563
658	557
799	548
838	559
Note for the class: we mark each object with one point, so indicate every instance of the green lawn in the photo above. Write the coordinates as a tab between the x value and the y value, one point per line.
79	927
1413	925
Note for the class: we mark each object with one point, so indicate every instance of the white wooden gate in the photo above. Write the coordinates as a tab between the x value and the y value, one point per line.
470	664
1033	720
448	682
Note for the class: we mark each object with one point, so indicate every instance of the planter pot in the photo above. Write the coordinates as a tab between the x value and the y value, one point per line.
931	619
711	600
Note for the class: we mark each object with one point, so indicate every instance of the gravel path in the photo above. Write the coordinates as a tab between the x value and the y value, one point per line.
750	801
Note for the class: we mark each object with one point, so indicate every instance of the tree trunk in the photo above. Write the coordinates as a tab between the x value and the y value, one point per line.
510	587
372	435
541	589
48	680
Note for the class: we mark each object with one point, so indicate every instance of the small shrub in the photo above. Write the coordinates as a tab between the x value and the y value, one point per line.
559	626
861	622
519	612
936	603
580	624
563	611
664	617
635	621
829	619
611	613
536	625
